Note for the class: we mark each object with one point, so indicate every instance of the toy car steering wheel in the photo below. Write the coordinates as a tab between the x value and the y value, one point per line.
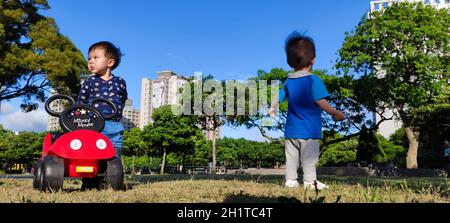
80	116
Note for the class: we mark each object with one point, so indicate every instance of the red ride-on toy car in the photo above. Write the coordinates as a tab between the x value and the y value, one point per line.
81	151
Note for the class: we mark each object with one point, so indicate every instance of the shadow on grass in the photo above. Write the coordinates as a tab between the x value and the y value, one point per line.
259	199
246	198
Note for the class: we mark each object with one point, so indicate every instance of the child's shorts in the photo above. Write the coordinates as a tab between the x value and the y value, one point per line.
114	131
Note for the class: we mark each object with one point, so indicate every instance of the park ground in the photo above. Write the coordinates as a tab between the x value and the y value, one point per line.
235	189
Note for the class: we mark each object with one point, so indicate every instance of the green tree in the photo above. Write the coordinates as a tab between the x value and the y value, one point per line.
402	54
202	153
134	145
205	98
171	133
227	151
369	147
339	154
433	121
34	56
23	148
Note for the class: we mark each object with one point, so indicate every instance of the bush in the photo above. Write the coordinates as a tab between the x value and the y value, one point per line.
395	153
429	158
399	138
141	163
339	154
369	148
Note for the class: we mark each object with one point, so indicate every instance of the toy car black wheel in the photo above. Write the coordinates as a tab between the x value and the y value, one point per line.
56	97
114	174
37	179
52	173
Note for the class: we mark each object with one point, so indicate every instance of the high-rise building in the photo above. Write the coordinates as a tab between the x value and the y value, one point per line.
382	4
130	116
388	127
162	91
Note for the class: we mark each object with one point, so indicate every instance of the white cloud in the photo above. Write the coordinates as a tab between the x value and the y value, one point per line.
20	121
6	108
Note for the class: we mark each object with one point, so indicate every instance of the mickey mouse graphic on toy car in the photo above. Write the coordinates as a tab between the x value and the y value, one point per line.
81	151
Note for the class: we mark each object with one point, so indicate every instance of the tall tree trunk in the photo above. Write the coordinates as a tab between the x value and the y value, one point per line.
183	158
163	163
214	152
413	140
133	172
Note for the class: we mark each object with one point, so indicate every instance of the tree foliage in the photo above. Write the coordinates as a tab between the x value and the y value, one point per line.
210	112
171	133
339	154
133	143
23	148
369	148
34	56
402	57
242	152
402	54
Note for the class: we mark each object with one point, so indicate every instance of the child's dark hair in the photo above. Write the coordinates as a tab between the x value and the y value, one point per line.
111	51
300	50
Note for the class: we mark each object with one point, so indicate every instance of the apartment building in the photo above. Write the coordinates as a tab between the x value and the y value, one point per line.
130	116
164	91
159	92
382	4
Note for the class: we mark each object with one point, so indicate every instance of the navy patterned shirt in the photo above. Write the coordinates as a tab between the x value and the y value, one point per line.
114	90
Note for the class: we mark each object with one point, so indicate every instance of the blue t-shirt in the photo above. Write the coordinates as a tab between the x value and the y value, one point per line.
304	115
114	90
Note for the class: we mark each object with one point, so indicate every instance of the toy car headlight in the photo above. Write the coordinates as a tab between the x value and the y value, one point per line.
101	144
75	144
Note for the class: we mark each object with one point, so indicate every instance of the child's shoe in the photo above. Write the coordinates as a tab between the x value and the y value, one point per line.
291	183
315	184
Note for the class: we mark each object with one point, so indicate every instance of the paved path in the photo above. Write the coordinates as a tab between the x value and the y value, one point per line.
16	176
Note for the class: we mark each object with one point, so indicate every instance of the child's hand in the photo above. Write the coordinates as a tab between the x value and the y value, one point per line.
338	116
272	112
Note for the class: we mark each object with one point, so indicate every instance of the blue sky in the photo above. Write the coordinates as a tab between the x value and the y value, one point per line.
230	39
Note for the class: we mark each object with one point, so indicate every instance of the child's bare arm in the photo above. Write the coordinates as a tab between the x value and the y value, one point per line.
273	106
324	105
276	100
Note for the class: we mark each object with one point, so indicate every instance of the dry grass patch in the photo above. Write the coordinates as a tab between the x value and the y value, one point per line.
235	189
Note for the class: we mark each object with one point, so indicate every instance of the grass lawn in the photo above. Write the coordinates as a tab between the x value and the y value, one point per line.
236	189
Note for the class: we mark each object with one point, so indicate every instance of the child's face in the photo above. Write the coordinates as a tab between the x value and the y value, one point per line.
98	63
